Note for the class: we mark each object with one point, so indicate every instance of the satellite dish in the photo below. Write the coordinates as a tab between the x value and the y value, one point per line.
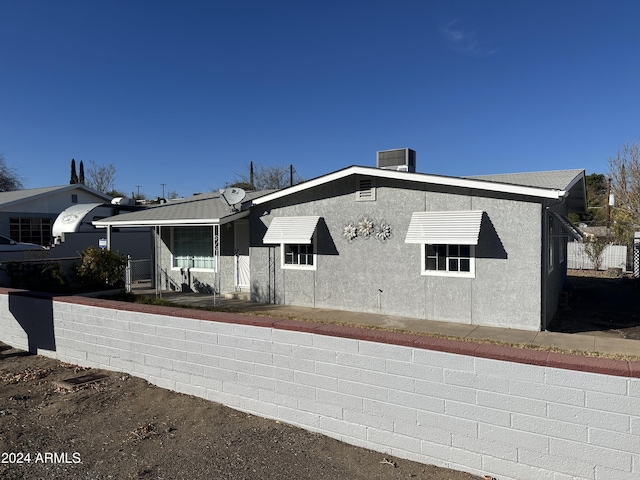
232	195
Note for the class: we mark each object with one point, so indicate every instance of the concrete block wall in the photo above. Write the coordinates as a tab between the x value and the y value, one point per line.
487	410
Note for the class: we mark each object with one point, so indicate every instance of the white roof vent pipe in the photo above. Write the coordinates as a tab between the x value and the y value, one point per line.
401	159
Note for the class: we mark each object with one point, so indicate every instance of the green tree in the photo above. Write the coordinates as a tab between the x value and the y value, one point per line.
81	177
74	175
596	200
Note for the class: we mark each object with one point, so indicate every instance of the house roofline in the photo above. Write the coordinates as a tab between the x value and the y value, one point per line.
172	222
52	190
486	185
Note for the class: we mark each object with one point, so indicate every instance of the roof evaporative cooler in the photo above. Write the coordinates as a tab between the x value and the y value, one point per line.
402	159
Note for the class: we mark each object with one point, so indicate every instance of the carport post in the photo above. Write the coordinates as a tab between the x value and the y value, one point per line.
108	237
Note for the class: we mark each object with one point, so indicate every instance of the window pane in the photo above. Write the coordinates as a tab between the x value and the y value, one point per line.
298	254
453	264
465	251
431	264
453	250
465	265
193	247
431	250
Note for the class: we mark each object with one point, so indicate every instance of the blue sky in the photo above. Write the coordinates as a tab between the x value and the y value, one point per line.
187	93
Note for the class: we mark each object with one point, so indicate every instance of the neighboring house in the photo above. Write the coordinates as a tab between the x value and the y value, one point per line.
28	215
487	250
201	243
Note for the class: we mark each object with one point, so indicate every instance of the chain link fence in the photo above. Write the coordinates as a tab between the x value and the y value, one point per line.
137	274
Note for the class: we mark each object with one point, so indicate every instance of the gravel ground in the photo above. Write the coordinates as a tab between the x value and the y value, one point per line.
122	427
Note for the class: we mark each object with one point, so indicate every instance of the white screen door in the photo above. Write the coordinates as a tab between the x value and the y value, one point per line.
241	241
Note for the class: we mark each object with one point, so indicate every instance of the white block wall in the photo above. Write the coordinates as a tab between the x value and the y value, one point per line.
508	420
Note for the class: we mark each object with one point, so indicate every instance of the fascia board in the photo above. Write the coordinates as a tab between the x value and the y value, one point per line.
580	178
419	178
172	222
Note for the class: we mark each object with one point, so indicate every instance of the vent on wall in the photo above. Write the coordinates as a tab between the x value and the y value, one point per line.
403	159
365	190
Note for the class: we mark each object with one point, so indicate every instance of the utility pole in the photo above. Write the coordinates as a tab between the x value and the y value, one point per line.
609	206
138	191
163	184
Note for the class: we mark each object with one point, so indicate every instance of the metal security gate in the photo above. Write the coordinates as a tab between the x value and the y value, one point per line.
272	276
137	274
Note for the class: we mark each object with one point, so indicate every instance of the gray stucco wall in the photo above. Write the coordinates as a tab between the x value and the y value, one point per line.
201	281
385	277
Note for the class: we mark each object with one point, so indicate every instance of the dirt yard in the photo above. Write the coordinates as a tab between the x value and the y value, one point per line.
604	304
124	428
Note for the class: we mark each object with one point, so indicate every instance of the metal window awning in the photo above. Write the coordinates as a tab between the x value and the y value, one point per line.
569	227
454	228
291	230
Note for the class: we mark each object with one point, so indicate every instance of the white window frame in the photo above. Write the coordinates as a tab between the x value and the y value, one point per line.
292	266
447	273
195	269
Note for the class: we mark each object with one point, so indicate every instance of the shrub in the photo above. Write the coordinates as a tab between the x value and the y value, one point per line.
101	267
595	249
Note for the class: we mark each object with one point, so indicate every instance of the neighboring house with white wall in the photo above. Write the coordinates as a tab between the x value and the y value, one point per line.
28	215
487	250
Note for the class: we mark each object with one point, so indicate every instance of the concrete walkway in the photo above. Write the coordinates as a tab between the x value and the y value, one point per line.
600	342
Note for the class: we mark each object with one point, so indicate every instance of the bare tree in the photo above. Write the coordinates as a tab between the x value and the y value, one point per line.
9	178
594	249
101	177
624	172
266	177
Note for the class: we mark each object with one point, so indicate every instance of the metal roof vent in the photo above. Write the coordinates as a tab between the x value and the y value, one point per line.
402	159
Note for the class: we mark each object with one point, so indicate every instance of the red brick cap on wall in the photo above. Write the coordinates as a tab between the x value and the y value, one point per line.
567	361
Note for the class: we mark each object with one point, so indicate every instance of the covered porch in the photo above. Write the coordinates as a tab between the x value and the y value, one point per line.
200	244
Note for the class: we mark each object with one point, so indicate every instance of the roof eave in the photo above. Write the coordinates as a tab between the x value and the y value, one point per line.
485	185
170	223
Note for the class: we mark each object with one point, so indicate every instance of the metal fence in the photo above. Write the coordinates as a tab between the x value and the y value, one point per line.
137	274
